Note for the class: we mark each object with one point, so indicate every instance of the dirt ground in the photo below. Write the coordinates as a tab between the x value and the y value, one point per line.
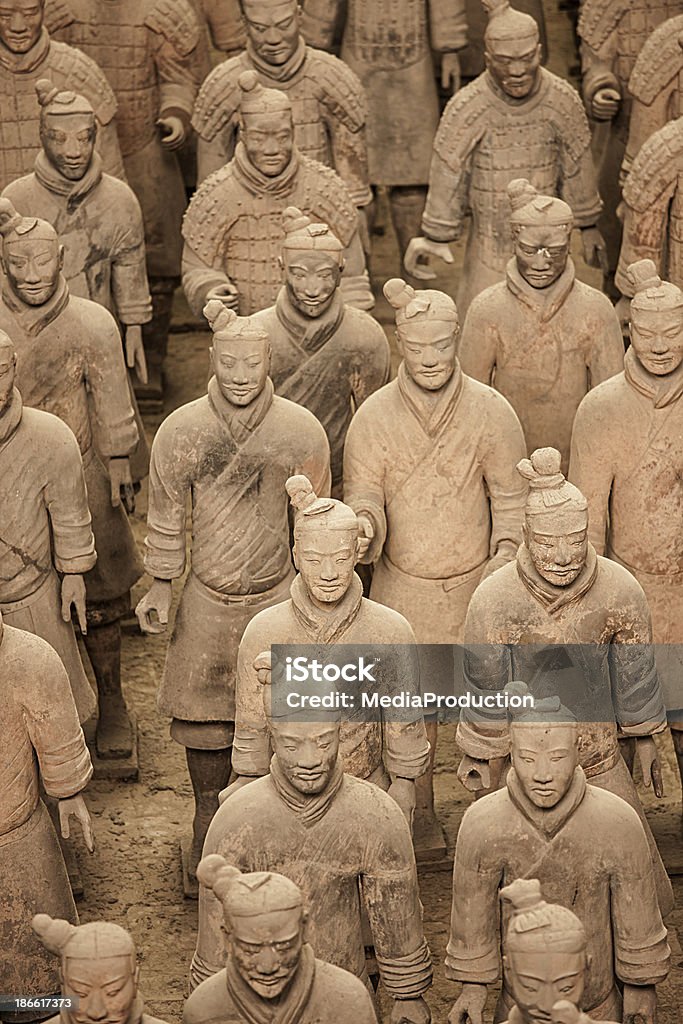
134	876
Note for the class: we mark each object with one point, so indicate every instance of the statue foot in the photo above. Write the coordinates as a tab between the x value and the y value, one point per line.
114	734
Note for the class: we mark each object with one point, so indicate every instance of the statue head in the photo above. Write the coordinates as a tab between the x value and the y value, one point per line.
544	952
273	28
98	966
264	923
21	22
544	748
542	233
512	49
656	326
325	542
555	519
427	331
8	370
312	260
68	129
240	354
32	258
266	126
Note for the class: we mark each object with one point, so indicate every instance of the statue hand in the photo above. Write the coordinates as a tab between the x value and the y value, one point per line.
173	132
73	594
263	664
475	775
403	792
135	352
469	1006
640	1004
366	533
121	483
157	599
605	104
410	1011
417	254
225	293
594	249
450	72
75	805
646	752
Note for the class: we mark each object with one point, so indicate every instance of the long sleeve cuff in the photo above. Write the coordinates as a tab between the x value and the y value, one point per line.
201	970
473	970
646	965
177	98
596	78
66	770
357	292
374	511
250	752
132	314
199	279
406	749
119	439
407	977
73	547
164	555
483	744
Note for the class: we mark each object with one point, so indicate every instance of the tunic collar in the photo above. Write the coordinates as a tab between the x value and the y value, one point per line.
433	412
75	191
329	625
310	333
285	71
551	820
543	302
34	319
661	391
241	421
11	418
554	598
23	63
290	1006
309	809
257	183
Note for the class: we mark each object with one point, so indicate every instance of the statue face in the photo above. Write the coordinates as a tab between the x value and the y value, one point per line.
428	351
268	140
33	268
657	339
542	254
21	22
273	28
514	64
241	367
558	545
106	987
69	143
307	752
8	362
539	980
544	758
266	949
326	560
312	278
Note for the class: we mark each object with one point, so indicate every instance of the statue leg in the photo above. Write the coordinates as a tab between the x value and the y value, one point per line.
114	735
407	203
155	341
209	773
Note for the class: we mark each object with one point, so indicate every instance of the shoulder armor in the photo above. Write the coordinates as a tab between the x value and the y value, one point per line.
463	122
58	15
658	62
210	213
599	18
177	22
219	97
659	161
340	88
326	196
83	75
570	115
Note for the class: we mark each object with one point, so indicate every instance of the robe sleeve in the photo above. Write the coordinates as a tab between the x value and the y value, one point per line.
314	461
647	195
596	66
109	149
199	278
171	467
66	499
645	117
107	381
448	25
320	22
578	181
130	288
251	751
591	467
390	891
405	746
176	41
225	24
606	355
52	723
448	197
374	370
473	951
477	348
355	281
364	468
503	446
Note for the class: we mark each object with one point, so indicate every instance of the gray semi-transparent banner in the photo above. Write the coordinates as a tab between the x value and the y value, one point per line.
629	684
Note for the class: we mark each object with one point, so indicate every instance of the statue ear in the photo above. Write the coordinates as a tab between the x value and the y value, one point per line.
61	257
136	975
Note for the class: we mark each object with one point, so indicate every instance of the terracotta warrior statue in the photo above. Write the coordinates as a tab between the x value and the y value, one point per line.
98	966
330	833
545	958
327	607
627	458
613	33
42	744
46	527
327	355
541	337
429	470
145	48
27	53
232	451
328	101
271	965
70	363
561	616
234	226
389	45
516	120
589	852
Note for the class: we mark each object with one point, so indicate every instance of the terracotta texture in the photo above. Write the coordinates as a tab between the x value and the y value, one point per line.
429	469
541	337
328	101
42	745
98	963
496	129
613	32
271	967
472	61
559	615
327	607
22	64
224	21
326	355
589	852
234	226
46	527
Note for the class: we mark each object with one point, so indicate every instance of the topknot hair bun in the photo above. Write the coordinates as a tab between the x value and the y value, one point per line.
53	932
643	275
494	7
219	316
46	91
210	867
295	220
9	218
398	293
301	493
248	80
520	193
